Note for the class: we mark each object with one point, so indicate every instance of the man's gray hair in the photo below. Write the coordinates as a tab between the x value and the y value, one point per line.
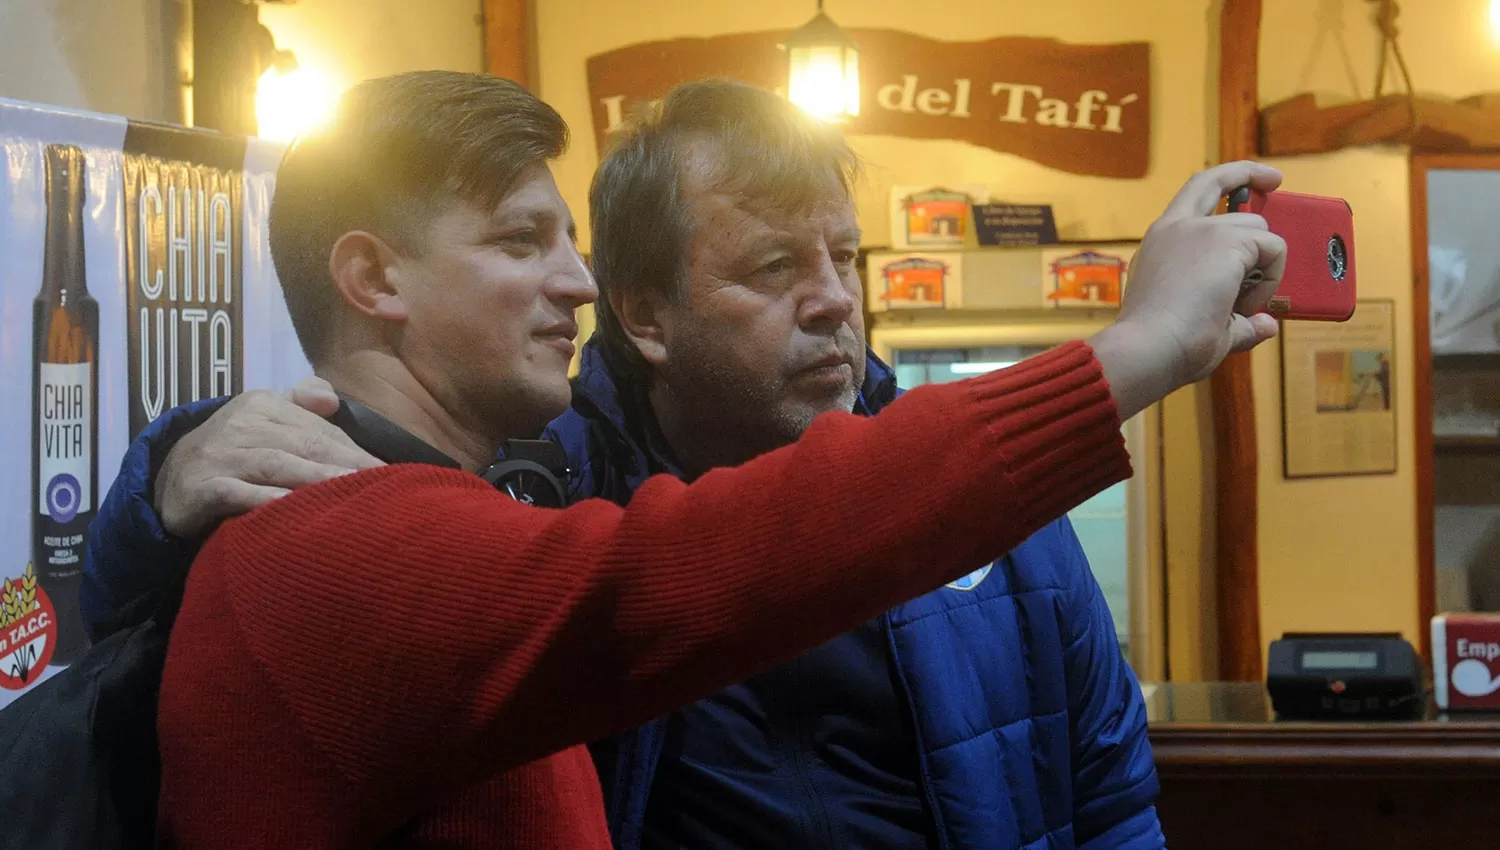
760	146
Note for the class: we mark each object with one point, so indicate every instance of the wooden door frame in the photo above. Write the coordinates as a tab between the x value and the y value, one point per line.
1421	345
509	40
1232	391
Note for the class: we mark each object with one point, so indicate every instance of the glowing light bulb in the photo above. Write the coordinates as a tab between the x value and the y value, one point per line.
823	70
825	81
289	103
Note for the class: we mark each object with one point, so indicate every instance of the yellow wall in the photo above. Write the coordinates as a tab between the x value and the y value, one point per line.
352	40
1341	553
116	57
569	31
111	57
1335	553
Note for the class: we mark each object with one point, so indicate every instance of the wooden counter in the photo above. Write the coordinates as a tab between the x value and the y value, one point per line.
1233	776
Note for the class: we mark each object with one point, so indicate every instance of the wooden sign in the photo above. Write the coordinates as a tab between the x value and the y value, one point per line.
1083	109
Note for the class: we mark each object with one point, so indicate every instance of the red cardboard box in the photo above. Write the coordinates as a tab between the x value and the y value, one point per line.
1466	661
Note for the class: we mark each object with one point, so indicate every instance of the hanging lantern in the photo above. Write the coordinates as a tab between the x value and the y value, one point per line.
823	69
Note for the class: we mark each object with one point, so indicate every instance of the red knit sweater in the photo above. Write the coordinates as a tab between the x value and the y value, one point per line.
407	656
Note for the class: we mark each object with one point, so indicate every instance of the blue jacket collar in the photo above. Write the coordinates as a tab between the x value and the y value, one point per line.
602	392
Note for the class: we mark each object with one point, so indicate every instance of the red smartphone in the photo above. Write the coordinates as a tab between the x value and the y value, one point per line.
1319	284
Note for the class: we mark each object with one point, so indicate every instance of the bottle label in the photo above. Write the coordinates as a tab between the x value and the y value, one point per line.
65	440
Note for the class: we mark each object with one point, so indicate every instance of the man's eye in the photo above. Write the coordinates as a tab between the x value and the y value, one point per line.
522	237
845	258
776	266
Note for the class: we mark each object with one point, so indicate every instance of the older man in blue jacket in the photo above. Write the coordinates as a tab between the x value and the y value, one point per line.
997	712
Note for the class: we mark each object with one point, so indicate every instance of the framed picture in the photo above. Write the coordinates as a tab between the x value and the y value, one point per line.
1338	412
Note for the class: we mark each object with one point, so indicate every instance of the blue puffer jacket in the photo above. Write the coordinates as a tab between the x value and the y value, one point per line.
1030	726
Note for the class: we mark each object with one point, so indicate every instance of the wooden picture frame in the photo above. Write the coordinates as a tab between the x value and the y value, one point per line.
1338	407
1423	443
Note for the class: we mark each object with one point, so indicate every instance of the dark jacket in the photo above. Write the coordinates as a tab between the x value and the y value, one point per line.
1029	725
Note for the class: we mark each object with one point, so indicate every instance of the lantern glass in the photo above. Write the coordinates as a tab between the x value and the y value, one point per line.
824	79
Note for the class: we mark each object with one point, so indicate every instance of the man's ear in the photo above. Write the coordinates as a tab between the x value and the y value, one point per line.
366	271
646	321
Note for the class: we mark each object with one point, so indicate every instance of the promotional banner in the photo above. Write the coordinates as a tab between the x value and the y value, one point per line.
135	276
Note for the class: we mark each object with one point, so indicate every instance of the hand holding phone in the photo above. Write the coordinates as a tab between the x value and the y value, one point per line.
1319	283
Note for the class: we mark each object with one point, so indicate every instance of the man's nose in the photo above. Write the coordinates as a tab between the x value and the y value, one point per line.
829	301
572	284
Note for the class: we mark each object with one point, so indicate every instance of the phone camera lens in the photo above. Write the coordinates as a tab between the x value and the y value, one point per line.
1337	258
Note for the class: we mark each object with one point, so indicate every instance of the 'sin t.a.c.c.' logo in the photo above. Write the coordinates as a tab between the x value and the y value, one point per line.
972	580
28	631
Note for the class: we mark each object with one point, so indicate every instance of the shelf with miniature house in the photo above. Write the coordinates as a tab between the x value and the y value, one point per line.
951	249
1063	276
935	217
1085	277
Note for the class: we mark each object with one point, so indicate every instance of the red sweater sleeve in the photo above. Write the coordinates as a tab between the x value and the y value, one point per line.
412	616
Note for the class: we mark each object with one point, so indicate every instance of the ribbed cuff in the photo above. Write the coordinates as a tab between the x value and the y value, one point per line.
1055	421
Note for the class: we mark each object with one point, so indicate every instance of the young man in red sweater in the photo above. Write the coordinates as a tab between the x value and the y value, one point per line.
390	657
